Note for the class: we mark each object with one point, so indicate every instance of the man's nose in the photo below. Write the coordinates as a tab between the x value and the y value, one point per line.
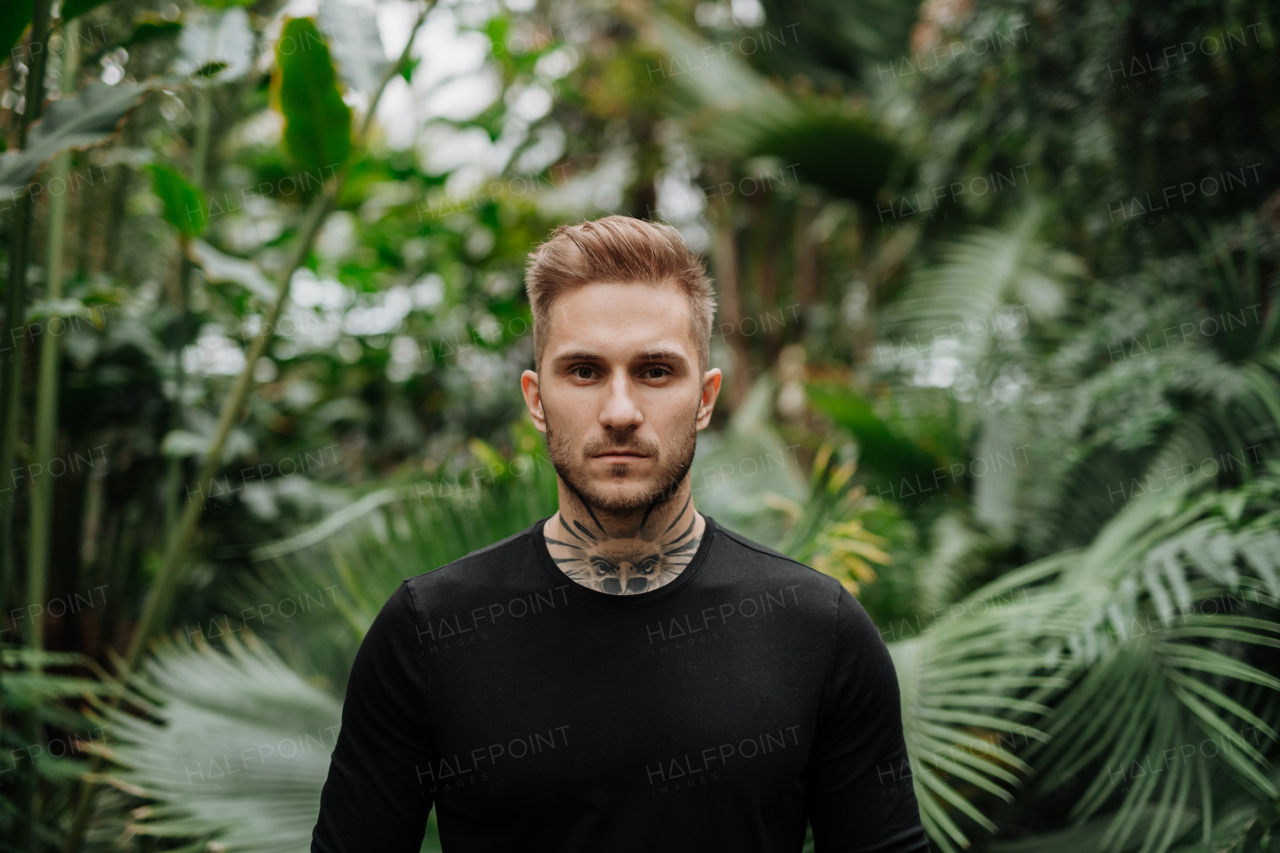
620	410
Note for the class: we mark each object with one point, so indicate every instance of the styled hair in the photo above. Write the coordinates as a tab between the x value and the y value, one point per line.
617	250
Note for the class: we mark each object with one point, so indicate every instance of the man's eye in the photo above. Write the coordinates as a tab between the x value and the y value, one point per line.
582	371
656	372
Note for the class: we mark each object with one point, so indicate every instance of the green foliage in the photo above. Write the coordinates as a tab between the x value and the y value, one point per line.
733	112
225	4
979	275
317	132
882	447
48	692
207	706
237	750
149	29
1052	620
831	41
76	8
70	123
721	485
184	204
15	17
1141	643
838	149
32	687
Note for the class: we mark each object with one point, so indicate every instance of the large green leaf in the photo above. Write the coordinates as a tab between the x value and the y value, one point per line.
317	133
184	205
881	447
1161	618
78	122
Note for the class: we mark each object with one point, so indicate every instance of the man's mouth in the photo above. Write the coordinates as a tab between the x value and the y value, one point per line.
619	455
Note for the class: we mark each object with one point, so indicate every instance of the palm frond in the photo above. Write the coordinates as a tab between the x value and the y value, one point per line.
943	573
1160	628
987	283
964	686
236	748
1143	644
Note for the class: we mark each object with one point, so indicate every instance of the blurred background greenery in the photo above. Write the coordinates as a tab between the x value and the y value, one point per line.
998	321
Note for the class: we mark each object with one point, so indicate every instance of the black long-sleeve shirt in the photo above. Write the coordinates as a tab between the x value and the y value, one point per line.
718	712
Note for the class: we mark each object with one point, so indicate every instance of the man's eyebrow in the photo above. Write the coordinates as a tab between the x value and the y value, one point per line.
661	355
580	355
646	357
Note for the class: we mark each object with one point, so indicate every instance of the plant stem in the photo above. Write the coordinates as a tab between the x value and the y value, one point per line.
200	149
199	158
16	298
46	428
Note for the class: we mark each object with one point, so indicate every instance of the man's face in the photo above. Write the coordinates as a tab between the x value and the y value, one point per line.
620	396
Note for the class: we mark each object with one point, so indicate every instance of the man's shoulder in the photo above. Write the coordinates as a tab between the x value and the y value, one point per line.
764	550
483	568
751	558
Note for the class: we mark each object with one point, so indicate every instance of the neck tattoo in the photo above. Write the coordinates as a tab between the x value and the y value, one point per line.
633	561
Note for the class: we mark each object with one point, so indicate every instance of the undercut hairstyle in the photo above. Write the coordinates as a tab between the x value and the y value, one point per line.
618	250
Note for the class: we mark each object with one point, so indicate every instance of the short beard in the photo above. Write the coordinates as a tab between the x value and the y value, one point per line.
673	468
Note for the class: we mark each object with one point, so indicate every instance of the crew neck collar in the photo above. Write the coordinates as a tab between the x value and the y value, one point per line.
639	599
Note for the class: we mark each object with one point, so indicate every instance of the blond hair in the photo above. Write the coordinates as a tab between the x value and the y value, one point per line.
617	250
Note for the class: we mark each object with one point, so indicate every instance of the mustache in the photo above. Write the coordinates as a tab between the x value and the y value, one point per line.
633	443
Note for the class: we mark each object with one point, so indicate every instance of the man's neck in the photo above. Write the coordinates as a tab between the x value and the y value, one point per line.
625	554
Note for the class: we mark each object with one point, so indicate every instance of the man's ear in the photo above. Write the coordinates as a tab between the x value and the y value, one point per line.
533	399
710	391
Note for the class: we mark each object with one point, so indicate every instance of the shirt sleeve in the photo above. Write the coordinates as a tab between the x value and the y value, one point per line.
372	798
856	794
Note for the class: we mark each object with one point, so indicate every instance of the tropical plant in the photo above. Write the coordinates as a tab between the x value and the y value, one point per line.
42	759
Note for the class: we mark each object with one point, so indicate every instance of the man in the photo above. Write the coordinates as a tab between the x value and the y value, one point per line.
626	675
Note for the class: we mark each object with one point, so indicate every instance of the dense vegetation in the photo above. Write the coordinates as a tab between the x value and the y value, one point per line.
998	319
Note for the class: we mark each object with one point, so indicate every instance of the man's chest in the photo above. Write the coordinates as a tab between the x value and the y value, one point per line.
716	694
